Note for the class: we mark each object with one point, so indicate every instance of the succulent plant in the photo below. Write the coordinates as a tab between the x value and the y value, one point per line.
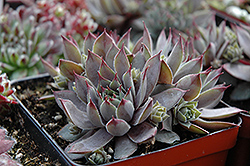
5	144
122	91
5	94
219	44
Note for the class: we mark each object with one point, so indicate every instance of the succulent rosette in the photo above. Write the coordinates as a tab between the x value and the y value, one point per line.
112	96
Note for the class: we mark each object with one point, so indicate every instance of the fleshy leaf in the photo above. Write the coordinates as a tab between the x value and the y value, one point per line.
142	132
92	143
117	127
66	134
166	76
92	66
71	51
211	97
219	113
125	39
192	83
127	81
67	68
78	117
175	58
106	71
125	110
191	67
102	44
169	97
107	110
244	39
124	147
168	137
239	71
93	114
7	145
213	125
143	112
147	40
49	68
88	42
110	56
196	129
121	63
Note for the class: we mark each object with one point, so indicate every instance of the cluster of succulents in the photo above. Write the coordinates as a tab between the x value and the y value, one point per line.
117	90
6	143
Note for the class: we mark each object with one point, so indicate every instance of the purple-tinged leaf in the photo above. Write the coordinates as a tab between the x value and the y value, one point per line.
196	129
81	87
127	81
67	68
138	46
143	112
163	43
110	56
146	52
142	90
211	97
125	39
5	145
102	81
175	58
244	39
94	115
121	63
102	44
168	137
92	143
240	71
147	40
211	79
213	125
199	43
107	110
169	97
117	127
209	54
106	71
78	117
71	51
166	76
69	95
142	132
115	83
49	68
139	60
153	66
192	83
88	42
2	134
124	147
92	94
125	110
66	133
193	66
219	113
92	66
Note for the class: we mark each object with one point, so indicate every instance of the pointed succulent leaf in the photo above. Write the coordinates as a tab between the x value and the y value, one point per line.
163	43
219	113
94	115
125	110
92	66
67	68
92	143
191	67
117	127
137	46
124	147
88	42
139	60
209	54
243	38
66	133
196	129
127	81
142	90
169	97
153	72
6	145
104	82
240	71
166	76
121	63
78	117
102	44
175	58
106	71
142	132
69	95
110	56
168	137
71	51
147	40
192	83
211	97
213	125
143	112
125	39
49	68
107	110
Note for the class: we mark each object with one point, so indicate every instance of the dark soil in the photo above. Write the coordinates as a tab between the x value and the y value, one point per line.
47	113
